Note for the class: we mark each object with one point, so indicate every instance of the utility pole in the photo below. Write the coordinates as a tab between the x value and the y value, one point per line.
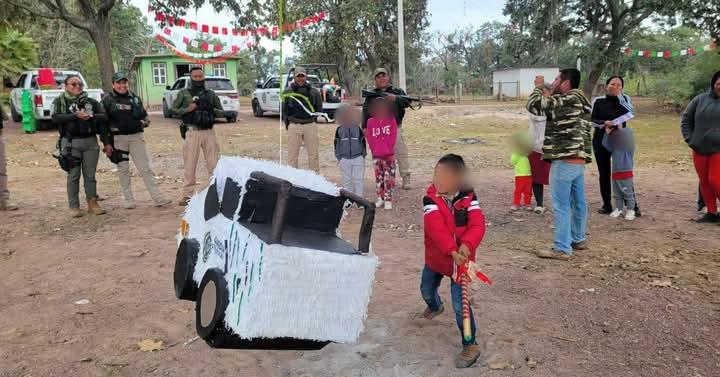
401	46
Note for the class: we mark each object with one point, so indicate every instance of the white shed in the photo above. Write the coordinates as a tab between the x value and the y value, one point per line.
519	82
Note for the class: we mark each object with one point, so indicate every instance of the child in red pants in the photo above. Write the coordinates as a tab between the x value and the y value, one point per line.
523	174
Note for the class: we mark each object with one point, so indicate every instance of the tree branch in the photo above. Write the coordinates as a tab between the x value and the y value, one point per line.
33	11
60	12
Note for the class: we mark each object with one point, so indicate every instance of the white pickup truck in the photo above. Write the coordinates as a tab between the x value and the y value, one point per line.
222	86
266	97
43	98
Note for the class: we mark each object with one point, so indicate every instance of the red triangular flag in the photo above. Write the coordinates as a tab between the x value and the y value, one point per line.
171	20
205	29
322	15
159	16
235	32
692	51
180	22
167	31
647	54
193	25
218	47
628	51
204	46
666	54
224	31
316	19
274	32
214	29
235	49
186	40
243	33
249	45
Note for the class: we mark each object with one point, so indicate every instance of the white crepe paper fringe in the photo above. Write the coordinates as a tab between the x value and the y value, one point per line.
307	294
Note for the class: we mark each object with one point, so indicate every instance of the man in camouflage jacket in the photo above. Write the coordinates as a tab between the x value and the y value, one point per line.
568	146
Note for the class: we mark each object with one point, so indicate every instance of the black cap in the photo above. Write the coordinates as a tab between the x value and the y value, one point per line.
119	76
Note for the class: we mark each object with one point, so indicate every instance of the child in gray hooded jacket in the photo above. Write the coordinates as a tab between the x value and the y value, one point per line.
350	149
621	144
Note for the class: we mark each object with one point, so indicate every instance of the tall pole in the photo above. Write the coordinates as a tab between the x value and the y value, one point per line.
401	45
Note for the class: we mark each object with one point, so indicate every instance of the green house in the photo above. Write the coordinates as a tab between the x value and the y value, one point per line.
151	74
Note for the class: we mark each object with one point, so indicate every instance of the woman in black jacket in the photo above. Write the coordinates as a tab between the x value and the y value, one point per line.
80	119
605	110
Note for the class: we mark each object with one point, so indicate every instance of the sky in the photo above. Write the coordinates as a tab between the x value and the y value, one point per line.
445	15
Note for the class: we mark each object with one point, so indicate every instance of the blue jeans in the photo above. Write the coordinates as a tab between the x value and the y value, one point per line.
429	284
567	186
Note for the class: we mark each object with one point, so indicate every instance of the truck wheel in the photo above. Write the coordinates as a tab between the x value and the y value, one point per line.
187	254
166	111
232	119
16	117
257	110
212	300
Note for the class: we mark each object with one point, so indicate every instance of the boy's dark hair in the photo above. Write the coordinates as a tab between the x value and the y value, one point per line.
571	74
195	68
452	161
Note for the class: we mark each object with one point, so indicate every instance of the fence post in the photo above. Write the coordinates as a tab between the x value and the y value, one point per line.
499	91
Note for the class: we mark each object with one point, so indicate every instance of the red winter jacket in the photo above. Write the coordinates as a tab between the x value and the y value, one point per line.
446	229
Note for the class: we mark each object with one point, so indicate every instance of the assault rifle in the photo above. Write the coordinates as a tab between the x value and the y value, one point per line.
411	99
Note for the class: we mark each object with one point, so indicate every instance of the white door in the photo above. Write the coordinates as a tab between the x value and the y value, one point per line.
271	95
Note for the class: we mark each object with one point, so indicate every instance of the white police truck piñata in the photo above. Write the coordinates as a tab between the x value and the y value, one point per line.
259	252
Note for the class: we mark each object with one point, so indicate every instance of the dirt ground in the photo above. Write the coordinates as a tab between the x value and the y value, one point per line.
644	300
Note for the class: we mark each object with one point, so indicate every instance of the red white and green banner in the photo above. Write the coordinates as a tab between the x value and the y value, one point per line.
690	51
203	43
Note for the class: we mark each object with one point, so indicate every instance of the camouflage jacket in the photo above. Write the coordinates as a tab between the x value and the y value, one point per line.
568	129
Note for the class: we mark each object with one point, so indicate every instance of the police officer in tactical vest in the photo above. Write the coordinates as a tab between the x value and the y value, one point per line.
127	120
399	104
300	124
80	120
198	107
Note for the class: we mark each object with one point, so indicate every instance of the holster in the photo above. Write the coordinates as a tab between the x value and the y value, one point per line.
118	156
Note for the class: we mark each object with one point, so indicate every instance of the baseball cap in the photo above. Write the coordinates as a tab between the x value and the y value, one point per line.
118	76
379	71
300	71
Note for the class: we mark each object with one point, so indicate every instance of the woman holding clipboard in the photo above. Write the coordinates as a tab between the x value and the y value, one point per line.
612	110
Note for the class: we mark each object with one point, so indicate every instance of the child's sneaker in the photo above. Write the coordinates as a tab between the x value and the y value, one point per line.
514	208
379	203
539	210
527	208
388	205
630	215
616	213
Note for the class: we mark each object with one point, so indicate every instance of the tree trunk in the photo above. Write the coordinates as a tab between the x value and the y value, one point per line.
101	38
596	70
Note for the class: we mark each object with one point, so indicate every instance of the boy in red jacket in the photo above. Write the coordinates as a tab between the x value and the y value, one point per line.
454	227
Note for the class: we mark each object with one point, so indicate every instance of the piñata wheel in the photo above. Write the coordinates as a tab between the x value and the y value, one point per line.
185	261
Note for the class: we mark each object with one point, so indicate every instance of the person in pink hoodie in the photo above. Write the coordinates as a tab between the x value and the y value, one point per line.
381	135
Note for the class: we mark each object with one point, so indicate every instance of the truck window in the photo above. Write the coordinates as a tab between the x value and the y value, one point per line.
21	82
218	84
306	209
272	83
